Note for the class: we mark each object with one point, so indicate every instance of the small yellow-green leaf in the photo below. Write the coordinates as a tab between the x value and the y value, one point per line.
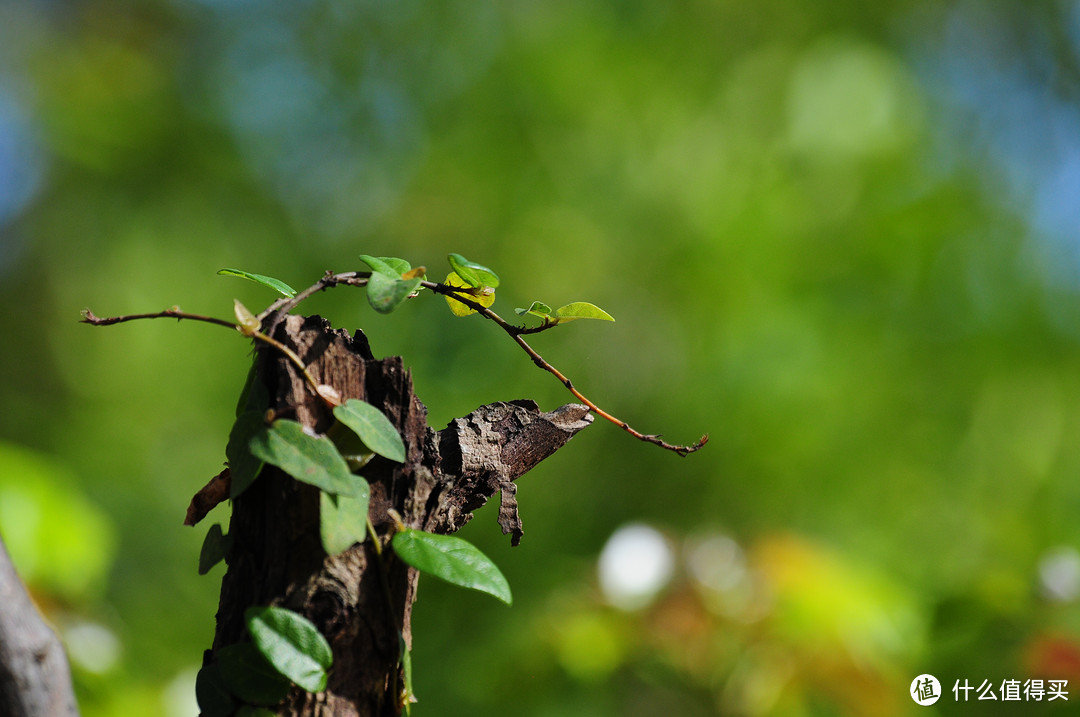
454	560
292	644
373	428
484	296
343	519
268	281
471	273
581	310
249	324
310	459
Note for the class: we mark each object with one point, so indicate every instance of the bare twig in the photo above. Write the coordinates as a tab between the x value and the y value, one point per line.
88	317
516	332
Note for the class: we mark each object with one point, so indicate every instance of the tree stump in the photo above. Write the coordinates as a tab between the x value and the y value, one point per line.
362	604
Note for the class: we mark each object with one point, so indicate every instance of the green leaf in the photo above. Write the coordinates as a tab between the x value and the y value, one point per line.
214	698
581	310
310	459
250	711
214	547
253	395
343	519
386	293
472	273
292	644
352	449
454	560
372	427
268	281
244	466
385	267
249	675
399	265
537	308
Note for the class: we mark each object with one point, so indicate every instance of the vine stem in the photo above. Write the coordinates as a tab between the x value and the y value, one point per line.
283	306
516	332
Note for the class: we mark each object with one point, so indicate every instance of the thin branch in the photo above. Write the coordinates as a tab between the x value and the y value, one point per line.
283	306
516	333
88	317
329	280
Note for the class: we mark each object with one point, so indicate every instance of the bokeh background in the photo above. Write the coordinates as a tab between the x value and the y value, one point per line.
840	237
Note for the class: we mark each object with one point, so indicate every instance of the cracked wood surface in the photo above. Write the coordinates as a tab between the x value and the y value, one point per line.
276	555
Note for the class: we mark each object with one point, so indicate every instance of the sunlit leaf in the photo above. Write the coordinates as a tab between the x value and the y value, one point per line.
386	293
581	310
383	266
292	644
471	273
373	428
537	308
399	265
249	675
268	281
213	550
343	518
486	297
310	459
454	560
244	466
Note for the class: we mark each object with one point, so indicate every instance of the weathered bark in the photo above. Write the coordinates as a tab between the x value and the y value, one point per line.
362	604
34	676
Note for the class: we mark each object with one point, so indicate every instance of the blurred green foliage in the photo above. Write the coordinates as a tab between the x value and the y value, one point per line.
839	237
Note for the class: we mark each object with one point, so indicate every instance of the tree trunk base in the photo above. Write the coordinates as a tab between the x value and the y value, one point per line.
360	602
